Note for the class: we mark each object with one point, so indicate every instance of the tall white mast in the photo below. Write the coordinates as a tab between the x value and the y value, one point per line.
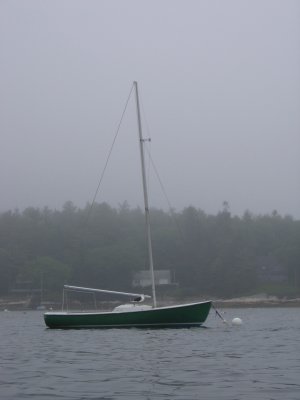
148	230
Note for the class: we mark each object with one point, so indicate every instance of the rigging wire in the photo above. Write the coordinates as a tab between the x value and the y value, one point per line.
171	208
146	140
147	143
163	189
109	154
150	162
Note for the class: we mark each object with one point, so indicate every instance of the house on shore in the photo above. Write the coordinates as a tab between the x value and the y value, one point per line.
161	277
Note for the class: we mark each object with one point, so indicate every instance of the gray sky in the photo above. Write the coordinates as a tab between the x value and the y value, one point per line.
220	87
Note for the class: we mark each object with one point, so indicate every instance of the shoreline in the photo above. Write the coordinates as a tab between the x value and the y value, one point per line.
9	304
257	303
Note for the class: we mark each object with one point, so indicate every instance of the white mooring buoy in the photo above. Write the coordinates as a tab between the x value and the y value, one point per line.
237	321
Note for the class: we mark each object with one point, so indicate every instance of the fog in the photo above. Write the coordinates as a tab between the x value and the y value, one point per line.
220	89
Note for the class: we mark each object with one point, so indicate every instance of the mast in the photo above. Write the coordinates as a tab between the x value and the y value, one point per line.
148	230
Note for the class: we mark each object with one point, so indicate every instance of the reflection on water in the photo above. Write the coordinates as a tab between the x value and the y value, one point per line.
258	360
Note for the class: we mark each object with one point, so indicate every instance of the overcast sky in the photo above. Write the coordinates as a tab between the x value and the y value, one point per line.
220	88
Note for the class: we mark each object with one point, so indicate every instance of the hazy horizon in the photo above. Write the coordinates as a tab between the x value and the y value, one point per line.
220	90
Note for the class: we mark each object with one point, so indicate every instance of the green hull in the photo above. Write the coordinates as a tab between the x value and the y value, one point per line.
164	317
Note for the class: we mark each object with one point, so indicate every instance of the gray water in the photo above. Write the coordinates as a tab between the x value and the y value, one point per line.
258	360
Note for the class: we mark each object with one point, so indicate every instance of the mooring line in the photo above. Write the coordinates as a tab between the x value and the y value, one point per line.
219	314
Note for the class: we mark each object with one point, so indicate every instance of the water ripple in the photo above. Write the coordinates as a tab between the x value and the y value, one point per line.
259	360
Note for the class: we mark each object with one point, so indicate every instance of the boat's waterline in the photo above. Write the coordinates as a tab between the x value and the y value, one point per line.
185	315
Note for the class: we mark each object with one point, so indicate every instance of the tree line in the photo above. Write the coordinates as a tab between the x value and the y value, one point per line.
216	255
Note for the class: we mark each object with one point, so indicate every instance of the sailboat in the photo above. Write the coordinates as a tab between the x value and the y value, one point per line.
133	314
